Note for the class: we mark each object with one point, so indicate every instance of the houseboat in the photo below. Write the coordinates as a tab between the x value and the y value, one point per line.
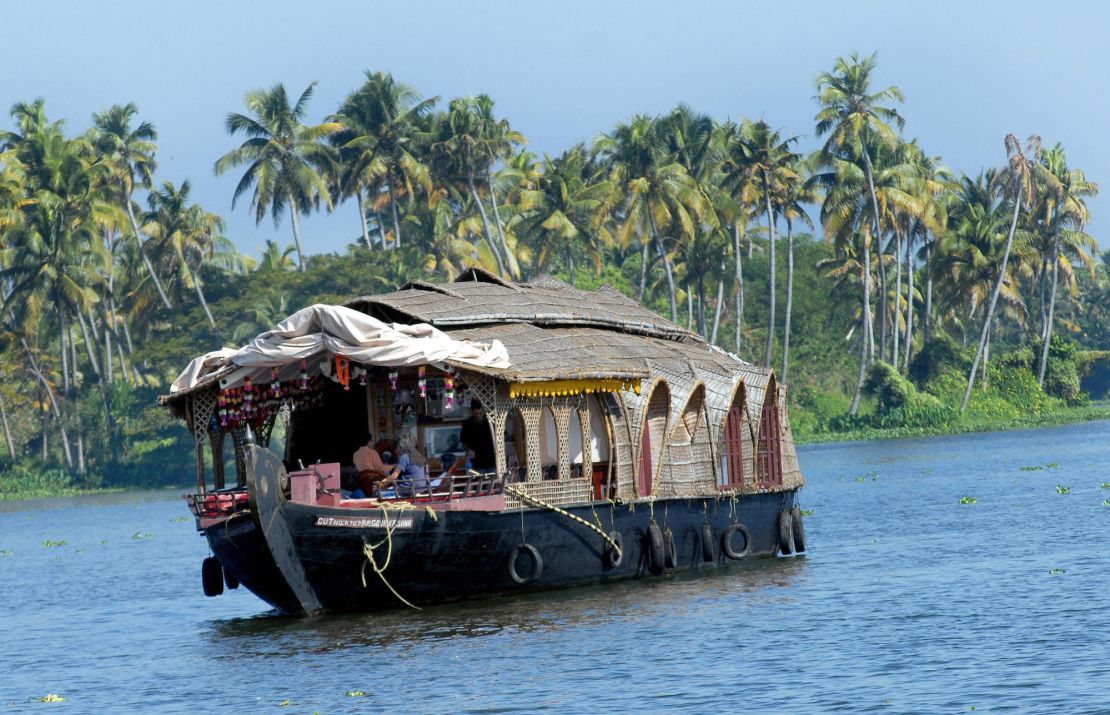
547	437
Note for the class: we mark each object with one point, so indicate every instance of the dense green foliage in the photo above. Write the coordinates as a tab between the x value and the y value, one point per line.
926	287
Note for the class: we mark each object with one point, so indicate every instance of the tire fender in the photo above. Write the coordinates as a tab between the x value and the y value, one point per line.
708	553
799	529
537	564
610	555
656	550
726	541
212	576
670	551
786	533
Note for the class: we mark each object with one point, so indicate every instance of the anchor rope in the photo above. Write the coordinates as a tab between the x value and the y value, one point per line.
536	501
368	551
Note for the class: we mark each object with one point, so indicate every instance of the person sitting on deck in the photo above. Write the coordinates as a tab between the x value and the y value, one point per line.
371	468
408	476
477	437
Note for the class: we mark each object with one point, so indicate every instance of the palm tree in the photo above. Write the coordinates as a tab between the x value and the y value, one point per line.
794	194
1065	215
565	214
657	192
284	157
855	118
734	194
130	152
1018	180
773	165
274	259
376	142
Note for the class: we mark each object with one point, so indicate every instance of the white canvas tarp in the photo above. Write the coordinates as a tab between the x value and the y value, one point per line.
343	331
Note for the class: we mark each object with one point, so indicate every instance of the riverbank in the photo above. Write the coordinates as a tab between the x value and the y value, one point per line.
55	483
1068	415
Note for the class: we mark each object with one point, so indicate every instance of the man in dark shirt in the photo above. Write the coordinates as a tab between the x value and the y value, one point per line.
478	438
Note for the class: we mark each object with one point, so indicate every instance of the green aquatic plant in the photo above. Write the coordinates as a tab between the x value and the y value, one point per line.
284	703
180	519
1061	489
969	500
50	543
355	694
52	698
1106	502
807	512
1032	468
5	553
1104	485
1057	572
1052	465
141	536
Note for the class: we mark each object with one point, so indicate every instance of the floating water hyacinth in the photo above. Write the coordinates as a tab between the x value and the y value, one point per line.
1061	489
969	500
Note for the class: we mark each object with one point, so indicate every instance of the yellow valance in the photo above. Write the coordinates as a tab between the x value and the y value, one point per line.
556	388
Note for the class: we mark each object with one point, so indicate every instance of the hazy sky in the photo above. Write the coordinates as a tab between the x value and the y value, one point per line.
566	71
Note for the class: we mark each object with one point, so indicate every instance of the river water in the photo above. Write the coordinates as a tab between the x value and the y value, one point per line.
908	601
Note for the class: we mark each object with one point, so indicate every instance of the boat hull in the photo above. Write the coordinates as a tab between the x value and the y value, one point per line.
421	556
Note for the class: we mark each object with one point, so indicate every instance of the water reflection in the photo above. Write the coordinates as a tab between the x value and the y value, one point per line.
274	635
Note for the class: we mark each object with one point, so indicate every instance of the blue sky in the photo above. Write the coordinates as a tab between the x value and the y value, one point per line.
565	71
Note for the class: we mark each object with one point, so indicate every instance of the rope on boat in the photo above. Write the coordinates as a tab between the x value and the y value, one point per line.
368	551
535	501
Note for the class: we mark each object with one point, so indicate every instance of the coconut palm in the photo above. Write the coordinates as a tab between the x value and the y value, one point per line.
130	153
857	120
735	191
377	143
283	157
1018	181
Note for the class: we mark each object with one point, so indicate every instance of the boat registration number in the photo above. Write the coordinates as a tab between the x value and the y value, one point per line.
366	522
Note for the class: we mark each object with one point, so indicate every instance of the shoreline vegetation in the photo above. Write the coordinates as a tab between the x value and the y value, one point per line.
893	297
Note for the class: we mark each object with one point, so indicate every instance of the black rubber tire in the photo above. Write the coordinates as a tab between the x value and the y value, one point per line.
799	529
786	533
212	576
230	581
670	551
708	553
726	541
537	564
613	556
656	550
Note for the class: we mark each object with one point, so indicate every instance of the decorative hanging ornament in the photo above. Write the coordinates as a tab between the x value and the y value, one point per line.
421	382
304	375
248	397
275	384
222	398
449	391
361	376
343	371
393	380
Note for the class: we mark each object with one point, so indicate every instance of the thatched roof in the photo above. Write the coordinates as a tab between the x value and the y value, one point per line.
478	297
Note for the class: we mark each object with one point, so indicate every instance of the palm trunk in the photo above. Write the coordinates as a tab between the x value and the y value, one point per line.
500	231
381	229
926	328
666	268
78	429
570	265
485	222
789	300
739	285
994	300
986	359
909	302
1051	312
396	214
295	213
53	405
109	420
643	270
362	220
1042	280
897	298
863	360
869	328
770	274
7	430
884	303
142	251
200	296
719	306
88	346
689	307
701	308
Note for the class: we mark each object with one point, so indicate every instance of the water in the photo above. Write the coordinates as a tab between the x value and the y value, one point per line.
908	602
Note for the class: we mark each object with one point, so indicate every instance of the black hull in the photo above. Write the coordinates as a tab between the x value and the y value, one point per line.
457	555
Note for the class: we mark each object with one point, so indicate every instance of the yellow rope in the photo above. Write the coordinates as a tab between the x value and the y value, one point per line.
524	496
368	551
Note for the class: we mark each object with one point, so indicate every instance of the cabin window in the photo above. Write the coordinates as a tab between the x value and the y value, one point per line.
549	444
515	446
651	437
770	442
574	441
599	431
732	456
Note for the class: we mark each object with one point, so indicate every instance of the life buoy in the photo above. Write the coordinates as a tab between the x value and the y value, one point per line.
786	533
726	541
613	553
708	553
670	551
230	581
656	549
537	564
799	529
211	576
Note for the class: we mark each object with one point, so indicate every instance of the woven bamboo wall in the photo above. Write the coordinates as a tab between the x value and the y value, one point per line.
791	470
